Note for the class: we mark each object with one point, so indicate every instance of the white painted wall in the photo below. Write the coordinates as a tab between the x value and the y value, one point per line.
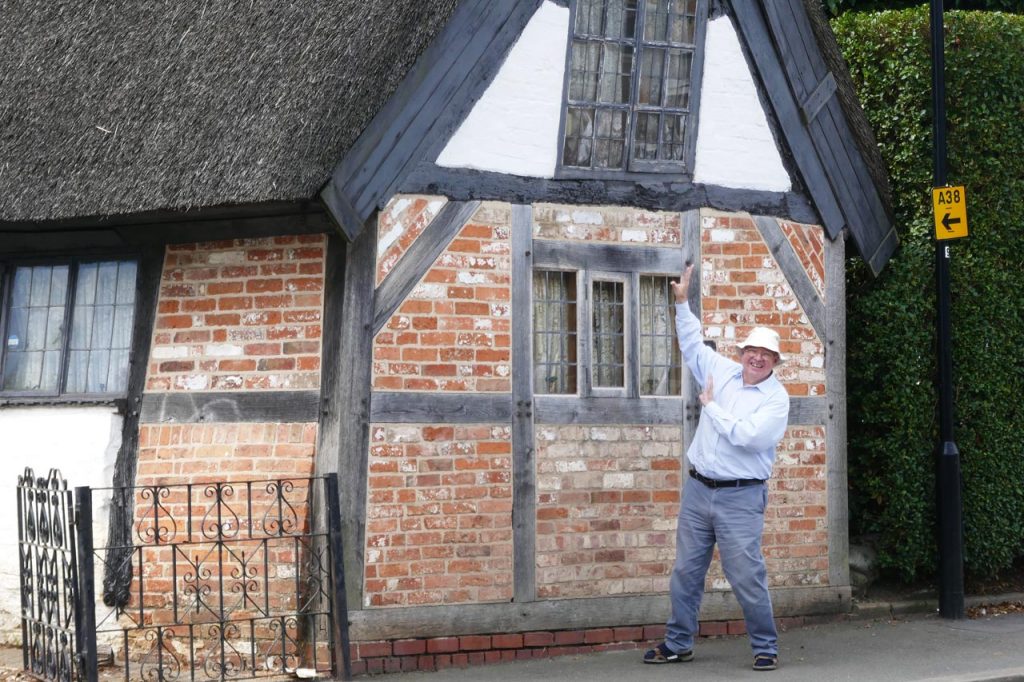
735	146
513	129
80	441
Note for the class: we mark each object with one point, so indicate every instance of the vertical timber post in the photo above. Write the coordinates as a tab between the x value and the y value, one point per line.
86	622
339	607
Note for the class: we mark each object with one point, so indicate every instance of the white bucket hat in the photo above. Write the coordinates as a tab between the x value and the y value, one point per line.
762	337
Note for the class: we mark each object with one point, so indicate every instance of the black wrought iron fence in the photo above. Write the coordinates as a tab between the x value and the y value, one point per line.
49	576
222	581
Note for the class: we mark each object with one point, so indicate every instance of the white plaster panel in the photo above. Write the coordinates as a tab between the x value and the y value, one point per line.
735	146
513	129
80	441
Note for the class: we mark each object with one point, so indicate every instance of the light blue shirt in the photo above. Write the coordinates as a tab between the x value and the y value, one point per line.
740	427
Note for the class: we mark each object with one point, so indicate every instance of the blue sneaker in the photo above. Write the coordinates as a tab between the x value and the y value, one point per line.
662	654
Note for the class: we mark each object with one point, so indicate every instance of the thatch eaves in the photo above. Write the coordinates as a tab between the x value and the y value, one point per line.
125	107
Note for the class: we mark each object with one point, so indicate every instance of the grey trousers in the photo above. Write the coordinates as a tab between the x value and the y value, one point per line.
734	518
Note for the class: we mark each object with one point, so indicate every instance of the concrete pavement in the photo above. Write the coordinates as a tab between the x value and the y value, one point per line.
870	646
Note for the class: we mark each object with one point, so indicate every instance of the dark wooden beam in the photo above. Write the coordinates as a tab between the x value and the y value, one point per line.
836	427
429	104
419	258
655	192
610	257
231	406
347	407
117	567
760	48
575	614
401	407
524	474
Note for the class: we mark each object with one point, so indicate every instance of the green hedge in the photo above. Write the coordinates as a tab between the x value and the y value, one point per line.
835	7
893	421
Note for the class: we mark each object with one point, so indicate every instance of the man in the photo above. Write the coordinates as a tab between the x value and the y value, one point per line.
724	497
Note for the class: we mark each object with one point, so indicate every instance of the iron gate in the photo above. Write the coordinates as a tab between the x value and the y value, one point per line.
222	580
49	576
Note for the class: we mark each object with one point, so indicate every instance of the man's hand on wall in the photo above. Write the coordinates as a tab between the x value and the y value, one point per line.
681	289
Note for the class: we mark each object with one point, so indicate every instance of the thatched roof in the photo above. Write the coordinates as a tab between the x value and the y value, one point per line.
128	106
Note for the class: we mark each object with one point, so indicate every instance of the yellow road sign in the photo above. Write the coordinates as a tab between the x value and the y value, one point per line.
950	209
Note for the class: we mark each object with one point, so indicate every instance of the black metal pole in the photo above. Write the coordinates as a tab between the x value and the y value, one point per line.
951	563
340	645
86	623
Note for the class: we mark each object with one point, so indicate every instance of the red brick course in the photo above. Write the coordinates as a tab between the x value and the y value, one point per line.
439	515
462	652
241	314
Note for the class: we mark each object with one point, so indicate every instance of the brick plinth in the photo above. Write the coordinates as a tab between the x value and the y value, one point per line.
438	653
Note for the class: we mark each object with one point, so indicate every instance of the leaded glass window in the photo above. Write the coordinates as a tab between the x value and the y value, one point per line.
608	336
554	332
660	368
631	72
68	328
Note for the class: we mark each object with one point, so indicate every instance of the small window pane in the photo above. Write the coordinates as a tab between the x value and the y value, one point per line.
651	77
645	137
126	274
86	287
554	332
677	79
670	21
586	65
608	334
106	282
672	135
579	131
35	329
660	369
616	70
621	19
588	17
101	328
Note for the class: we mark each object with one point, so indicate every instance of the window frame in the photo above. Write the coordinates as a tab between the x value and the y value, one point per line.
74	263
628	380
632	332
639	169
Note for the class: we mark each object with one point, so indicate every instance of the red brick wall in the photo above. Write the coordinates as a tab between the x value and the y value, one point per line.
607	224
241	314
743	287
796	523
607	496
399	224
439	515
187	584
452	332
808	241
607	500
190	453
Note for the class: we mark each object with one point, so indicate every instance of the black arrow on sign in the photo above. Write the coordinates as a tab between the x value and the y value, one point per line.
947	221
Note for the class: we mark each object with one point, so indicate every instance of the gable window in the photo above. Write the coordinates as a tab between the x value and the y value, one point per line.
630	94
585	347
67	328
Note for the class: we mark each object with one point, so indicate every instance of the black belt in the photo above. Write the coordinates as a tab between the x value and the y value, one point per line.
734	483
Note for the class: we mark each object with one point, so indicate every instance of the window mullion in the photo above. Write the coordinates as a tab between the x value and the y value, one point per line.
69	299
634	79
6	274
585	335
